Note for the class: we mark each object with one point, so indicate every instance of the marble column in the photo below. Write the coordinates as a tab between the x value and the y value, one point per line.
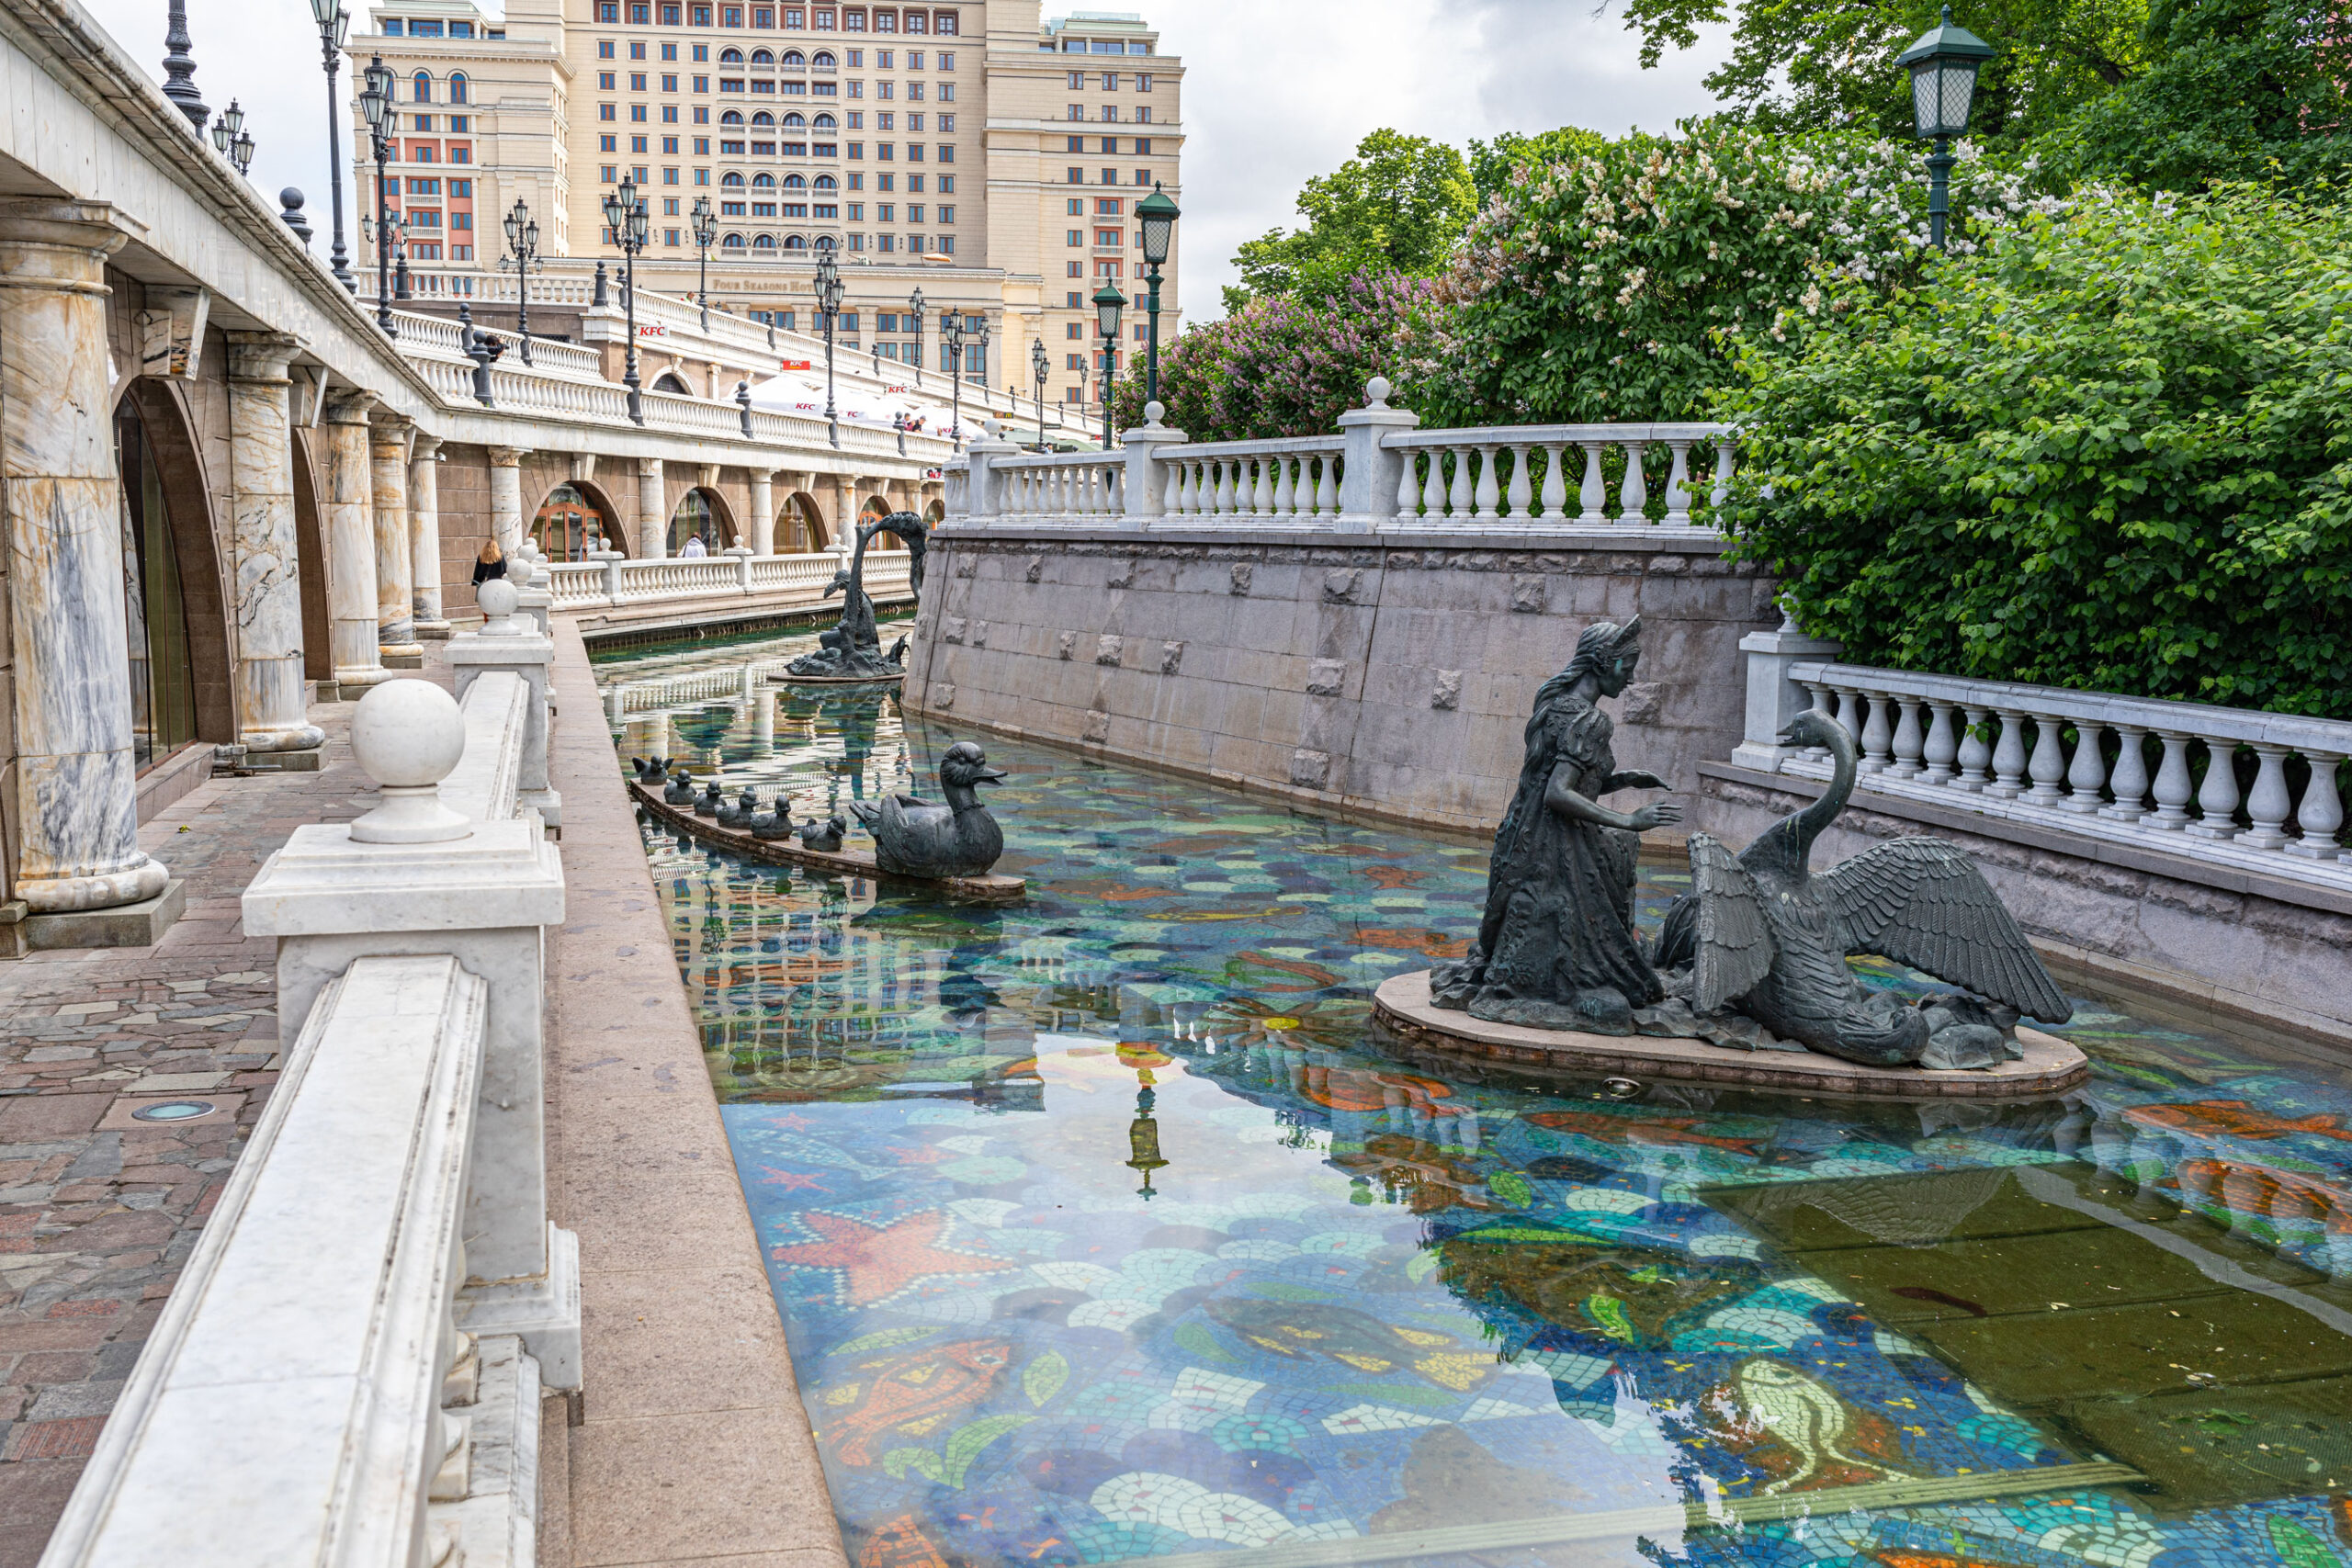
763	511
395	563
425	538
652	517
69	684
350	496
271	714
506	496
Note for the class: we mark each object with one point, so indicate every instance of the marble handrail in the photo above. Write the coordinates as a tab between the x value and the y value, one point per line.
1291	483
1485	476
484	783
1065	489
289	1405
607	584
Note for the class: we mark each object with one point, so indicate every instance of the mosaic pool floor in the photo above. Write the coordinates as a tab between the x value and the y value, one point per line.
1105	1227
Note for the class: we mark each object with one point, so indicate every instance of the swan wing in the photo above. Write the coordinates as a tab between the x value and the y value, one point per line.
1923	902
1734	944
866	811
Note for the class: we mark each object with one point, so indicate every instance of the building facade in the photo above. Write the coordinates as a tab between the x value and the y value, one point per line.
977	152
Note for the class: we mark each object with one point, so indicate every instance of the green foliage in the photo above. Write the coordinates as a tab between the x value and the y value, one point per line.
1829	64
1400	205
2234	90
2112	452
1611	285
1492	161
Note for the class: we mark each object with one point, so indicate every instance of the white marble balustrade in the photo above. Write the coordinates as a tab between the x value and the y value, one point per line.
613	581
1285	483
1555	474
1077	489
2261	791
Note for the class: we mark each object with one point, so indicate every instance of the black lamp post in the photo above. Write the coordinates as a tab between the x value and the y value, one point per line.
626	218
1039	368
523	255
829	304
1108	305
705	224
1159	213
916	300
228	135
335	26
376	103
1944	65
399	257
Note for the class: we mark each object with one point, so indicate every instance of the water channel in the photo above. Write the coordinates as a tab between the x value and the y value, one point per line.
1105	1226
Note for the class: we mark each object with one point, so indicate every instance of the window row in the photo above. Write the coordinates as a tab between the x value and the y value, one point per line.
430	27
424	153
821	18
1110	177
462	190
1110	148
421	89
459	124
1108	115
1110	81
1098	46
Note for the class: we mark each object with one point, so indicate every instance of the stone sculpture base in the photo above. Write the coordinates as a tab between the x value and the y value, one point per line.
1402	1002
788	679
841	862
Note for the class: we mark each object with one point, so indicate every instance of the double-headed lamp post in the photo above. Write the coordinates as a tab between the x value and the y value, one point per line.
915	299
1158	213
1108	305
1944	65
626	219
705	231
228	135
829	304
523	255
376	103
1039	368
335	26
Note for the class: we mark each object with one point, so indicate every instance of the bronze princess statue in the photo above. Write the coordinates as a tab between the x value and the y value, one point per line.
1558	948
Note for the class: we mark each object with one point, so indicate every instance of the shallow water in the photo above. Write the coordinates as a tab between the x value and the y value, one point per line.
1105	1226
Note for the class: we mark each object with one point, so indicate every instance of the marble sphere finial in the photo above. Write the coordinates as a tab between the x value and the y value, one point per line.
408	736
994	427
498	599
1152	413
1376	390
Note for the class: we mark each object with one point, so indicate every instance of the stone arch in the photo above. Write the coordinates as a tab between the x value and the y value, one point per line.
669	381
703	511
800	510
616	522
936	512
162	413
311	566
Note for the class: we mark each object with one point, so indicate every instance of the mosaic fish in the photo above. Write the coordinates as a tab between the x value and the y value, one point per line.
916	1391
1410	939
1906	1557
1300	1331
1633	1294
899	1543
1608	1129
1798	1430
2237	1119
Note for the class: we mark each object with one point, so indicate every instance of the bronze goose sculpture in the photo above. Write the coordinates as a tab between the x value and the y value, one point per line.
922	838
1762	933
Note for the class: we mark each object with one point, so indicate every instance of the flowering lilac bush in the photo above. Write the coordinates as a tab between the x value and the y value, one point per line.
1287	367
1616	283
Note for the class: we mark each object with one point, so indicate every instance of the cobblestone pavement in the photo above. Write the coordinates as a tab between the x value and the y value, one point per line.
99	1212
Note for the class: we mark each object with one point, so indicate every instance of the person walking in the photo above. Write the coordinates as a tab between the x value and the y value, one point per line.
491	563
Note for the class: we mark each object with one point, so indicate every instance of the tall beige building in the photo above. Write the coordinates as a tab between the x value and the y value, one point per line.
977	151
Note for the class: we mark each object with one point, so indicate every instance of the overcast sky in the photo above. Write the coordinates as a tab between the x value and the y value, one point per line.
1276	90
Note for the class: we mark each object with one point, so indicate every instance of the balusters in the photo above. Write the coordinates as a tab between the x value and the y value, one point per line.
2217	797
1556	482
1877	735
1408	486
1285	497
1853	712
1326	485
2174	787
1974	756
1593	494
1678	499
1457	495
1262	500
1522	490
1225	468
1488	498
1824	703
2088	771
1433	487
2048	764
2129	783
1910	741
2268	803
1633	494
1941	746
2321	811
2008	756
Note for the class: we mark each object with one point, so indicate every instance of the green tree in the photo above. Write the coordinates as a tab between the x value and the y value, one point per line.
1492	161
1400	205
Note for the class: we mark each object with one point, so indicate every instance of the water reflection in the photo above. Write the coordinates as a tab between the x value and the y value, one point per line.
1104	1227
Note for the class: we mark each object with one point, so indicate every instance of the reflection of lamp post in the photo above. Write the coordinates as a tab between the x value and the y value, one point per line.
523	255
376	103
916	300
829	301
625	219
1108	304
1039	368
335	26
1944	65
1143	1141
1159	214
705	231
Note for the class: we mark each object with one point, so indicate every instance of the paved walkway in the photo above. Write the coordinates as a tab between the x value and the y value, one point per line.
98	1211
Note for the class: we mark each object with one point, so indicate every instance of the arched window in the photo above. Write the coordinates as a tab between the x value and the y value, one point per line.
824	241
824	122
765	242
764	120
458	87
792	121
761	60
822	60
732	242
794	60
668	382
730	57
793	182
827	183
764	182
567	524
423	87
692	521
795	242
731	180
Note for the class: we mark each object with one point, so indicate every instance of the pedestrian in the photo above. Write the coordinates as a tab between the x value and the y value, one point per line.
693	547
491	563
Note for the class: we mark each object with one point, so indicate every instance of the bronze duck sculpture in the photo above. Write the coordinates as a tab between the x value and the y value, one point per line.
954	838
1763	934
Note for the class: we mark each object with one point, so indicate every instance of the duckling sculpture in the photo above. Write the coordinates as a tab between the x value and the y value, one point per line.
825	836
681	791
652	769
921	838
709	801
1761	934
739	812
778	826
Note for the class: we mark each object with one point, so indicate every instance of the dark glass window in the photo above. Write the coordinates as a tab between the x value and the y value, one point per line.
163	684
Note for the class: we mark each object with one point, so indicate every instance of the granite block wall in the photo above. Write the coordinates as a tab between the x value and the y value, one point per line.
1387	676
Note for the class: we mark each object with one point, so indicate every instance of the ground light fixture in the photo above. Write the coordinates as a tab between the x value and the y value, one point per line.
1944	65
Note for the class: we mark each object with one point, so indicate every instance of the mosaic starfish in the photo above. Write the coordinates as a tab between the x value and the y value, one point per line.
880	1260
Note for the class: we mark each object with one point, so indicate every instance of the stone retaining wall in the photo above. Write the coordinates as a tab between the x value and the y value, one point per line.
1389	676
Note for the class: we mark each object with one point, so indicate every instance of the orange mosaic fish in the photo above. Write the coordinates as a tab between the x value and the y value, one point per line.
899	1543
2237	1120
1906	1557
1407	938
915	1392
1609	1129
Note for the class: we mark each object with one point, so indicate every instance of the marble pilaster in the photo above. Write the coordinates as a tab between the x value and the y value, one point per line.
272	715
425	538
652	514
762	512
388	442
60	496
349	487
506	497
